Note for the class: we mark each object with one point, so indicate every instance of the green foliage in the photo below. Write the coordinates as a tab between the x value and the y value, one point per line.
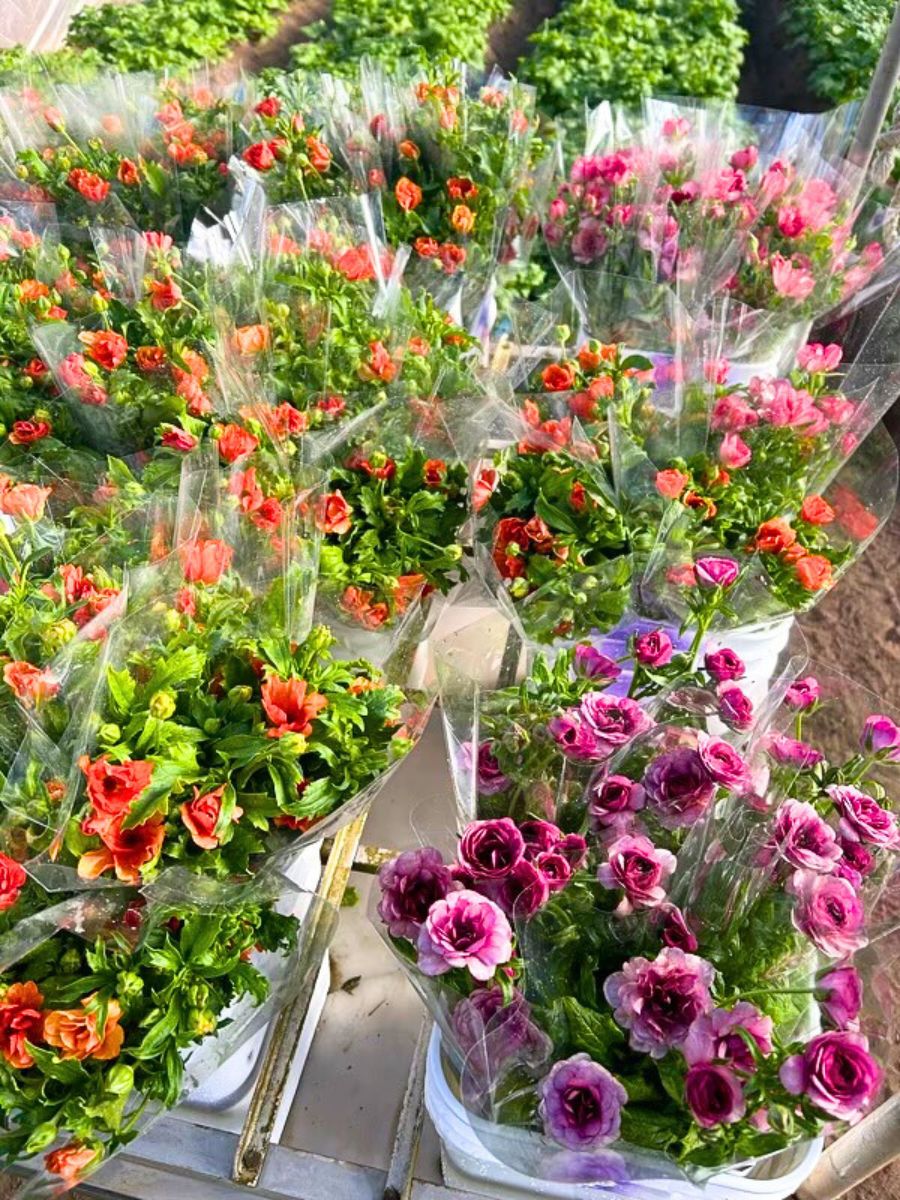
842	40
172	33
420	30
623	49
67	65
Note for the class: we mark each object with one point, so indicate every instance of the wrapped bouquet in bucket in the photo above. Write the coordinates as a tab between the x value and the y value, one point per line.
656	987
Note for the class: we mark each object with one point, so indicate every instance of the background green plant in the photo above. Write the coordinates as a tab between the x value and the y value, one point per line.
842	40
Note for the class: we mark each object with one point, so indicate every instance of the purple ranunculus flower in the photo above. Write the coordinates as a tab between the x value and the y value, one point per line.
615	720
862	818
575	737
410	884
881	735
504	1030
489	850
523	891
837	1074
465	931
658	1001
489	778
803	693
717	1037
540	836
724	665
573	1166
829	912
639	869
802	838
574	847
555	868
722	761
653	649
679	787
589	663
714	571
840	992
735	708
714	1095
612	795
790	752
674	929
581	1103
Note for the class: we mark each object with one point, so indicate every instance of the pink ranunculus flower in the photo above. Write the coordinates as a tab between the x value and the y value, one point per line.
716	1036
803	693
838	409
789	752
611	797
881	736
784	406
817	203
816	358
734	452
658	1001
653	649
829	912
836	1072
713	570
615	720
862	819
792	281
803	839
464	931
724	665
714	1095
731	414
639	869
839	992
735	707
722	761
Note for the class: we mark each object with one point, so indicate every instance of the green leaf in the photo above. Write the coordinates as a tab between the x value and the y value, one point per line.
64	1070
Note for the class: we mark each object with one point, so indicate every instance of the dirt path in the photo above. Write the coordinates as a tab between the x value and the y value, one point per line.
509	38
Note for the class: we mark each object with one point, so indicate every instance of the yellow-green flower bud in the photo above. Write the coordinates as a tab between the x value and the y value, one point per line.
108	734
59	634
162	704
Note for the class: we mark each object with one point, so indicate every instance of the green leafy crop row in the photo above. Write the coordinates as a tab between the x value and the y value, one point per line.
391	30
623	49
172	33
842	40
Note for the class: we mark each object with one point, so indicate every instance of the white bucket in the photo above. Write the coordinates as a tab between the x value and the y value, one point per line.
468	1165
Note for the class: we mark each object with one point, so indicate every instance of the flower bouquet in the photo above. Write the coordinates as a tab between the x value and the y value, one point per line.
666	990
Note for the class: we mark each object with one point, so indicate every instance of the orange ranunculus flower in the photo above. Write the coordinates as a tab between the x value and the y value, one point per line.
813	572
205	560
250	339
817	511
483	487
701	503
107	348
589	359
196	364
540	535
333	514
70	1161
150	358
74	1032
127	851
165	293
409	149
21	1021
427	247
462	218
23	433
434	472
24	500
408	194
558	377
671	483
358	603
319	154
460	188
32	289
510	534
12	879
201	816
380	365
774	537
31	684
89	185
127	173
235	442
289	707
111	787
406	589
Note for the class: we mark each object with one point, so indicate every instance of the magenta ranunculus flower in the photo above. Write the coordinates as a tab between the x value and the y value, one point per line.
714	1095
653	649
581	1103
555	868
612	795
575	737
504	1031
465	931
591	664
521	892
839	992
724	665
802	838
574	846
829	912
803	693
837	1074
862	817
490	850
881	736
658	1001
790	752
539	836
722	761
679	787
674	929
410	884
639	869
857	858
735	708
489	778
715	570
615	720
717	1037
